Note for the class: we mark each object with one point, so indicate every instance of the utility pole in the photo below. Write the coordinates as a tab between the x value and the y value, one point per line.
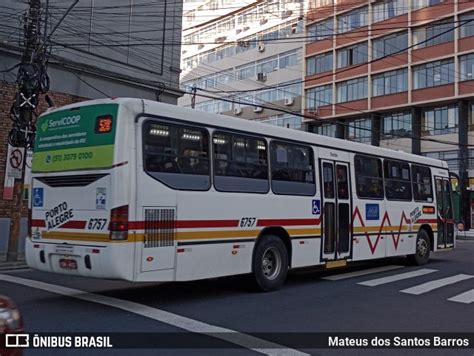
31	80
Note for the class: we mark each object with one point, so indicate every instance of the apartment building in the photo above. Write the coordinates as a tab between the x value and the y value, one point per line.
250	53
396	74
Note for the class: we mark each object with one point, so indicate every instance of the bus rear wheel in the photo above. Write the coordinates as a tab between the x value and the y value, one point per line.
422	251
270	263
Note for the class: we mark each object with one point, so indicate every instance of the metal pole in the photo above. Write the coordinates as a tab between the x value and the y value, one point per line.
28	88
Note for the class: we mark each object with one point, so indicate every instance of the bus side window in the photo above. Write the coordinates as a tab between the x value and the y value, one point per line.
240	163
292	168
177	155
422	184
397	180
369	178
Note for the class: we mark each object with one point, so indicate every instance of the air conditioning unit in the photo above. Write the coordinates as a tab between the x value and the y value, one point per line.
263	21
238	30
201	46
237	111
289	101
257	109
261	77
261	47
246	28
294	28
286	14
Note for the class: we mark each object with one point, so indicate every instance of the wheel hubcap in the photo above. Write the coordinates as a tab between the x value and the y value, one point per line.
271	263
422	247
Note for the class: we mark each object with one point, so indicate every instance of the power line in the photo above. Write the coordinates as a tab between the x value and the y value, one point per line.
381	58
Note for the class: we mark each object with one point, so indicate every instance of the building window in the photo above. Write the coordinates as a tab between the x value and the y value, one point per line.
315	4
467	67
327	130
292	169
451	157
389	8
418	4
318	96
360	130
267	65
388	45
467	28
191	16
440	121
422	186
352	55
246	72
319	64
369	178
320	30
439	32
284	120
353	89
396	125
397	180
287	59
471	119
352	20
395	81
433	74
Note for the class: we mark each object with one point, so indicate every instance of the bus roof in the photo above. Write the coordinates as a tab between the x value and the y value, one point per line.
151	107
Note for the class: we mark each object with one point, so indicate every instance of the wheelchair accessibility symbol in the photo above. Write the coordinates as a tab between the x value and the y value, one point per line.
38	195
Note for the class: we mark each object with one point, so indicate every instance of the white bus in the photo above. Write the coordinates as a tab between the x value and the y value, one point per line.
144	191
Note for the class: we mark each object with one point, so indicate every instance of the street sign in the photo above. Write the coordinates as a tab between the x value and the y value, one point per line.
14	162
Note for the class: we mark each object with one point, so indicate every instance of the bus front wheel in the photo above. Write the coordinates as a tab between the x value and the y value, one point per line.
270	263
422	251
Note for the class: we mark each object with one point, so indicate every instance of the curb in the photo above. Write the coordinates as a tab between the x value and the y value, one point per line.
465	238
13	266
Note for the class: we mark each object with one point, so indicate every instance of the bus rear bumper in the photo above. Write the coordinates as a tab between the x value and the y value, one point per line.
110	260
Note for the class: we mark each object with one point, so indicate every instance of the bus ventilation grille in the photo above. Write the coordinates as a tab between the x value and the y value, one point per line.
71	181
160	227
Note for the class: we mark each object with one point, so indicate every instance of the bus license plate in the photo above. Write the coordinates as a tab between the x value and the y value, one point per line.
66	263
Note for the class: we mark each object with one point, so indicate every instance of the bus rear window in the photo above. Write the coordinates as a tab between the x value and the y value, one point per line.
177	155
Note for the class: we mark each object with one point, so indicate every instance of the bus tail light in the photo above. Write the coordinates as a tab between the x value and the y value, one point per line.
119	223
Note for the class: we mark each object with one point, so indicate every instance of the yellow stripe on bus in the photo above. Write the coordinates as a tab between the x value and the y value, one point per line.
180	236
377	228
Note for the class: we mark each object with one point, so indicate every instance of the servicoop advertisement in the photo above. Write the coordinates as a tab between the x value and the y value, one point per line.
70	139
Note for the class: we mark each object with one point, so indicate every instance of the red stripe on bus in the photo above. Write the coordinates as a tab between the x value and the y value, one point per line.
184	224
38	223
73	224
287	222
426	221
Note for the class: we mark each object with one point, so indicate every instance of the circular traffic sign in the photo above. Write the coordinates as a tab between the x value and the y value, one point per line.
16	157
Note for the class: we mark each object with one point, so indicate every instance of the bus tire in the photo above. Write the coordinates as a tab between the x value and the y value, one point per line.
422	250
270	263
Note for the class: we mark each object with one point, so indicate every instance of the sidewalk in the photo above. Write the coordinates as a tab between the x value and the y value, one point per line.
465	235
6	266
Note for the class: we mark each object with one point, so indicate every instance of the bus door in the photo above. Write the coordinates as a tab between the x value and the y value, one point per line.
336	211
445	213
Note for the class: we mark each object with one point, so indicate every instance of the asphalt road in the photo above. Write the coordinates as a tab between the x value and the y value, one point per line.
372	297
